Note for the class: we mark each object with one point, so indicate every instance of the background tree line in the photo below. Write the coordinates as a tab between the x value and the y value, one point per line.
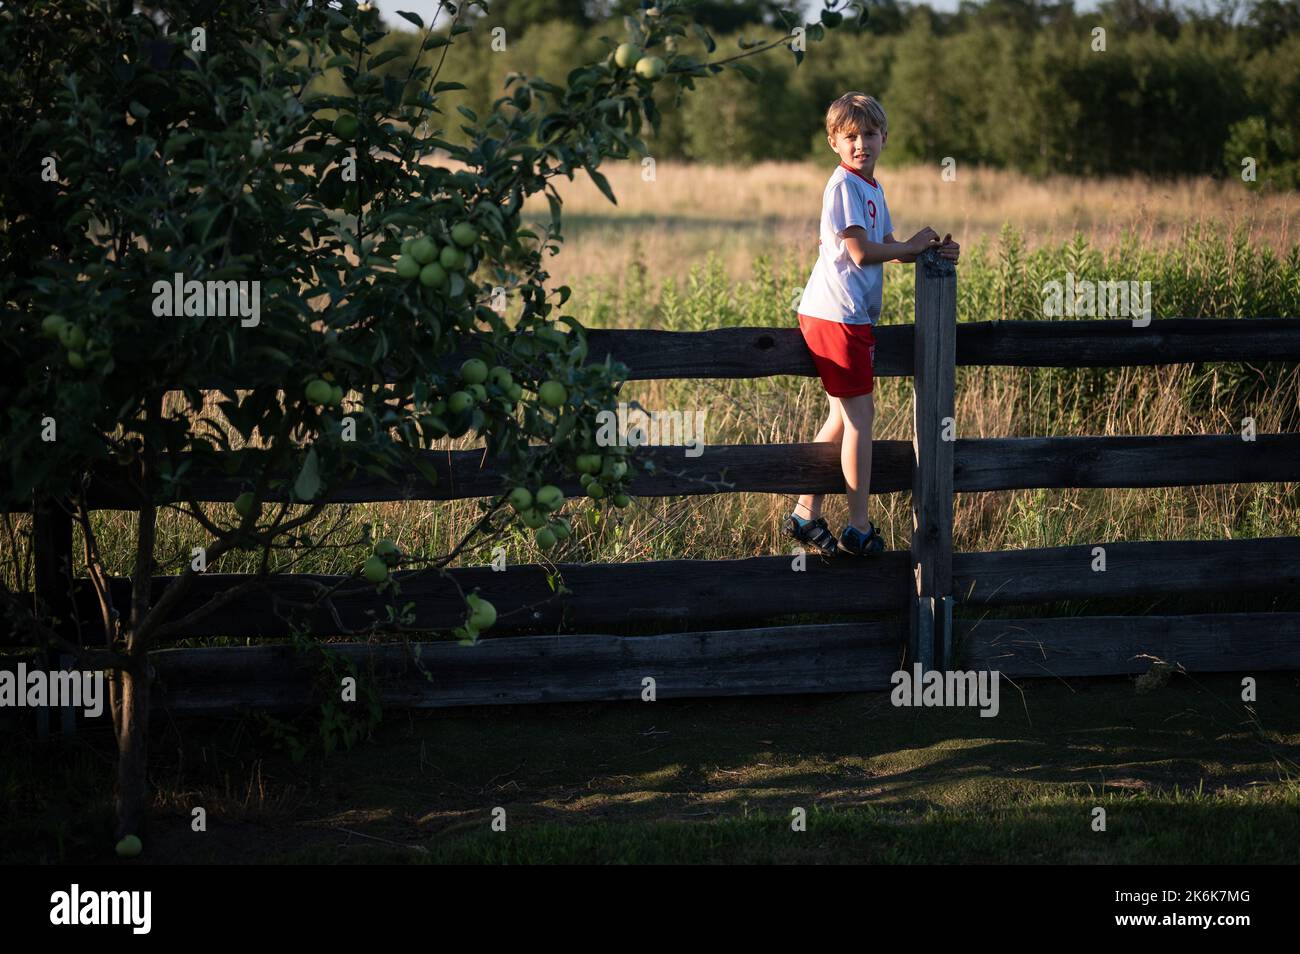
1007	83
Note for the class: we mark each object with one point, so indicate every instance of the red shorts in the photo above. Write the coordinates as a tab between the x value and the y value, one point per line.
845	355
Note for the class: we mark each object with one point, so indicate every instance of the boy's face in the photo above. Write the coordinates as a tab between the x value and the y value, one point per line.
859	148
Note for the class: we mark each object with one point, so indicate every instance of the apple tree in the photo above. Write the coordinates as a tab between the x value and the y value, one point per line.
210	265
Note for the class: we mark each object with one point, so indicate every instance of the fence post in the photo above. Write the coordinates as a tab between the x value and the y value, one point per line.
52	570
933	438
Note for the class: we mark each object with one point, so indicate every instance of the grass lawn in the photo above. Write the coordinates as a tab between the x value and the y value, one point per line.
1187	773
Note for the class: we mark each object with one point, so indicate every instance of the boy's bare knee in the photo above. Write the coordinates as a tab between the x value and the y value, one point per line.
859	409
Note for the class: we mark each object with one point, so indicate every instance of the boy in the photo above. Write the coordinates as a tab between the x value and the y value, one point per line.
841	303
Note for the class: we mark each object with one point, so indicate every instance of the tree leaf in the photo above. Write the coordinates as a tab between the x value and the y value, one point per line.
703	34
601	183
381	58
307	486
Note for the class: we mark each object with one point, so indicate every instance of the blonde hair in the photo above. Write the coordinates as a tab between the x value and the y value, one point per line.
855	111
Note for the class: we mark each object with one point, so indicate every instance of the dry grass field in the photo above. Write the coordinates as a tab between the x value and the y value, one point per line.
772	209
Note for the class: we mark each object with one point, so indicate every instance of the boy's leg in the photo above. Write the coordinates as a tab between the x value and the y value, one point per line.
810	505
859	413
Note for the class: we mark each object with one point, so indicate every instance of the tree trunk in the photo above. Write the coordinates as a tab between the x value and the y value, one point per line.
131	720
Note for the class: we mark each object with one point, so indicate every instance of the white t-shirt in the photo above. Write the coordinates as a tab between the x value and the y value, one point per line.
839	290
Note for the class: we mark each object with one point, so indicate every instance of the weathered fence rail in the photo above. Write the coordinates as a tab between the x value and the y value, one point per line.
899	606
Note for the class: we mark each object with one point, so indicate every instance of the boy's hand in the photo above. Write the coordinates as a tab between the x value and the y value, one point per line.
926	238
949	249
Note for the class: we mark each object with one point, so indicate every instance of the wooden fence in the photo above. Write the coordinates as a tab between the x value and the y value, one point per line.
721	612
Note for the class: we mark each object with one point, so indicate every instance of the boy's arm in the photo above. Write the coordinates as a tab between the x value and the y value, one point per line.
903	256
866	252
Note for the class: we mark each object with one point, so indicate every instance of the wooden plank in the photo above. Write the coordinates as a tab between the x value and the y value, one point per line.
1132	569
1114	645
945	643
751	352
1116	343
726	591
677	593
841	657
1007	463
740	468
921	637
979	464
932	443
737	591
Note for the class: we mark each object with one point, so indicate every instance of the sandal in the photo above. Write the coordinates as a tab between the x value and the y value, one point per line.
814	531
854	541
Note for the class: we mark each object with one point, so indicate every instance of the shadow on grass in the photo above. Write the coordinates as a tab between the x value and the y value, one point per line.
1187	774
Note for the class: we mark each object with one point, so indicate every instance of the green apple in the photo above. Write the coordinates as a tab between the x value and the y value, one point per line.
589	463
375	570
423	251
479	392
621	500
464	234
53	325
521	498
406	246
474	371
585	479
482	613
595	491
516	391
129	847
545	538
550	497
433	276
561	529
345	127
460	402
452	258
76	360
407	267
533	518
651	68
386	548
319	392
244	503
72	337
552	393
501	378
336	395
626	55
